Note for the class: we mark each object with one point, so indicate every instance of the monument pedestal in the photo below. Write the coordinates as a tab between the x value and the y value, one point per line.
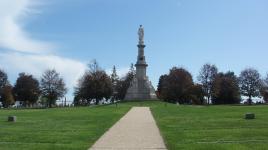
140	90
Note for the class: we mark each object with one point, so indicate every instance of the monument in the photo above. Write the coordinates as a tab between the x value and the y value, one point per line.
140	88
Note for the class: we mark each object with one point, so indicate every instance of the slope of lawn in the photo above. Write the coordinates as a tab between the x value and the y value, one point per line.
212	127
182	127
57	128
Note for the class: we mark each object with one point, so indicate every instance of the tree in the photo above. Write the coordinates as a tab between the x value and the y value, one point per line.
264	93
177	86
264	89
3	82
162	86
250	83
26	89
94	85
124	83
7	97
206	76
79	99
3	79
225	89
94	66
52	86
114	80
114	76
197	94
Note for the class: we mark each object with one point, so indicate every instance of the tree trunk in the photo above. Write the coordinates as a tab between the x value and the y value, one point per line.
249	100
50	103
97	102
208	97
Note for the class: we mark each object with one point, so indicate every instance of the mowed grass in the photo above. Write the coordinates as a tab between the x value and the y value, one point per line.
182	127
220	127
212	127
57	128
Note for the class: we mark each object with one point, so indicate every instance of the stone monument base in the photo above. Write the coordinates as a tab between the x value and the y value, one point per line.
140	89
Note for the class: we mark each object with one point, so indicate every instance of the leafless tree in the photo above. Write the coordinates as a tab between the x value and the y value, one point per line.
52	86
250	83
206	76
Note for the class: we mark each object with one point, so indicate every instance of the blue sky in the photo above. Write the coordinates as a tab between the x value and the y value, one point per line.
68	34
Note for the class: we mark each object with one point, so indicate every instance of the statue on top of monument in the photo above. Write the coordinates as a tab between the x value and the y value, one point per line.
141	34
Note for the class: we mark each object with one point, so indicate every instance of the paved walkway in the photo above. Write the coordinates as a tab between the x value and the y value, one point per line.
137	130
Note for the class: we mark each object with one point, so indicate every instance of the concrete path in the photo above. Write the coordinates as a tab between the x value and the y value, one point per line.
137	130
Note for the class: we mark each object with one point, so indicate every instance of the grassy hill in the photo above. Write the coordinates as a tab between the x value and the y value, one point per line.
182	127
212	127
57	128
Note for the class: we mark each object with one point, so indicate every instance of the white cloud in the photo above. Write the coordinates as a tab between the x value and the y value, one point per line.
12	35
27	54
14	63
23	53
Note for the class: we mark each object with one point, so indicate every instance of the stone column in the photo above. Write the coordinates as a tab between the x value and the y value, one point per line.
141	63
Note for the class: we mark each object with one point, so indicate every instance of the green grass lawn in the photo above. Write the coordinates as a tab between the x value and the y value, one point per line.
57	128
182	127
212	127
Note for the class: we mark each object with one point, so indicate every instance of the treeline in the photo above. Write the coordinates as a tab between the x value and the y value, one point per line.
97	86
28	90
93	87
177	86
213	87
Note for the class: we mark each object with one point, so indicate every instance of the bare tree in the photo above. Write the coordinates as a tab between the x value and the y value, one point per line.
94	66
250	83
52	86
206	76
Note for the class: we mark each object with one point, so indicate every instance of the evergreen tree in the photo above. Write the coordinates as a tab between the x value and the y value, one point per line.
124	83
114	80
162	86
